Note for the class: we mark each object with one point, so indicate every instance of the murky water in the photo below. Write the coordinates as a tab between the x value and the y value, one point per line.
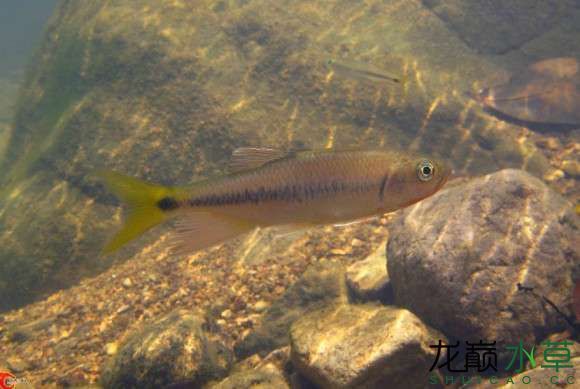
216	104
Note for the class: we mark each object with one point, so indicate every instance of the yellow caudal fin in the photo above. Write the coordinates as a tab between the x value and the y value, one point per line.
148	206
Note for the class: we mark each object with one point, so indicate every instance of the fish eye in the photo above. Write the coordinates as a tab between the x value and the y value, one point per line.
425	170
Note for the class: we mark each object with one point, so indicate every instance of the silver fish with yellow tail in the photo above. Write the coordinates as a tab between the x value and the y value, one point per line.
270	187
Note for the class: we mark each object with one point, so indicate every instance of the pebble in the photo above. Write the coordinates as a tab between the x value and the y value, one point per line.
356	242
127	283
220	322
123	309
554	175
571	168
549	143
227	314
111	348
260	306
244	322
339	251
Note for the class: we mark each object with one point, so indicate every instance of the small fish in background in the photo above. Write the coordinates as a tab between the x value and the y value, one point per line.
270	187
543	97
360	72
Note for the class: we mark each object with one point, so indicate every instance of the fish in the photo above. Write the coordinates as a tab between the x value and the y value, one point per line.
358	71
270	187
543	97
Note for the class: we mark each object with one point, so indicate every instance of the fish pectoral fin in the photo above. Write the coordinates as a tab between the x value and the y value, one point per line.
246	158
196	230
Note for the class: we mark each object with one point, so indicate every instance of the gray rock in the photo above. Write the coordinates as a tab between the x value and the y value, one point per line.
455	259
363	346
320	285
496	26
368	279
173	350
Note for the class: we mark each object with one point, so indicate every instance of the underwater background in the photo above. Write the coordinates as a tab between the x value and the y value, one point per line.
166	90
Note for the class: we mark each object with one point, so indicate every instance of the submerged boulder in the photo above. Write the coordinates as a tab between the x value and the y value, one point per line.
456	258
173	350
363	346
497	26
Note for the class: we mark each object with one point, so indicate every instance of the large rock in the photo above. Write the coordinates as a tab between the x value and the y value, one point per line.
164	90
320	285
456	258
497	26
173	350
363	346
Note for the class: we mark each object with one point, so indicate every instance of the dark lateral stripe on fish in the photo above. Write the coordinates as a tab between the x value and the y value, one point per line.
294	193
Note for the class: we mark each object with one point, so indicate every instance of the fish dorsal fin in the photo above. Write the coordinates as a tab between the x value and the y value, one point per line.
246	158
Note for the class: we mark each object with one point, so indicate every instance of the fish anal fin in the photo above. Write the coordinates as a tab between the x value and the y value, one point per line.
246	158
356	221
197	230
290	229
